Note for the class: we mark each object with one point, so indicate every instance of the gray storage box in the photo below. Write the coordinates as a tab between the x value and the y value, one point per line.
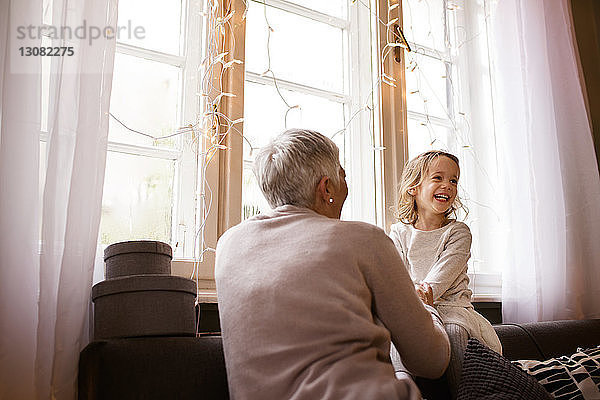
137	258
144	305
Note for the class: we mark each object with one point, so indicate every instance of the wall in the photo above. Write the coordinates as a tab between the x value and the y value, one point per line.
586	18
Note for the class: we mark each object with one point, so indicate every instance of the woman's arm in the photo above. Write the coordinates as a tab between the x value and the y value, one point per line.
418	335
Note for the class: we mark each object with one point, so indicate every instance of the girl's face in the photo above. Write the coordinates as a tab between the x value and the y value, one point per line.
436	194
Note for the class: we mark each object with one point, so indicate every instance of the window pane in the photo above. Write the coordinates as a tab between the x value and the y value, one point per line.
426	85
265	117
137	199
424	136
253	201
336	8
157	23
302	50
264	114
144	97
424	22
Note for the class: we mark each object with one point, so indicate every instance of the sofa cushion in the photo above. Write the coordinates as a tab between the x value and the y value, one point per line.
568	377
488	375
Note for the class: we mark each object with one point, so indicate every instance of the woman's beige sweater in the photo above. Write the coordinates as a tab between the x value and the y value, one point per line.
308	305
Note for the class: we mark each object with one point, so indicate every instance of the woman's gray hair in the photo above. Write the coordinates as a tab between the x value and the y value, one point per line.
289	168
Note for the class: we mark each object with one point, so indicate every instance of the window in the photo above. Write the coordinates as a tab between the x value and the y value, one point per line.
449	107
325	65
149	184
431	92
309	65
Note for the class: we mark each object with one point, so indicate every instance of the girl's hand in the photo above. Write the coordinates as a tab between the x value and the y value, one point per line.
425	293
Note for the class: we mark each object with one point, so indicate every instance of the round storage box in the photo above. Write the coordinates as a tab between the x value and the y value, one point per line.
144	305
137	258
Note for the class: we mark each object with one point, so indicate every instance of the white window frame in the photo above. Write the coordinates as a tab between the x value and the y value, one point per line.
224	174
387	126
183	212
487	285
357	90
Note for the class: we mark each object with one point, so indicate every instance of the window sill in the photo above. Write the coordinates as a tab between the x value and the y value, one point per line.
186	268
486	298
487	287
204	278
207	296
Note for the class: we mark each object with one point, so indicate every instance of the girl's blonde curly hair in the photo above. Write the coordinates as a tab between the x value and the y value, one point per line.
412	176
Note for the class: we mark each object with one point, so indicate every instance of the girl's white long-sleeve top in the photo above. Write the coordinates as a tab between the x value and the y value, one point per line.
439	257
308	305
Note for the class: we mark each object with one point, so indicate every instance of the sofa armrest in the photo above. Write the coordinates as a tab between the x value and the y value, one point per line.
544	340
517	342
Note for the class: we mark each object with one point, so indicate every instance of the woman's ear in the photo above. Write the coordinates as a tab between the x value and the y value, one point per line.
411	191
323	189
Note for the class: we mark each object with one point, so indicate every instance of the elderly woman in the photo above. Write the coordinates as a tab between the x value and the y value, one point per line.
308	303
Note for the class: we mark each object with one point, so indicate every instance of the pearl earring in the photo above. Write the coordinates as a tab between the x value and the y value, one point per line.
331	199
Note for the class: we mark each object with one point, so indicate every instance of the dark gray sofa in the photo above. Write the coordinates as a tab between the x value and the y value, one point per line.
531	341
194	368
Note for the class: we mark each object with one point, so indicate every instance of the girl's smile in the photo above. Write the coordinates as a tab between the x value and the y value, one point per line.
441	197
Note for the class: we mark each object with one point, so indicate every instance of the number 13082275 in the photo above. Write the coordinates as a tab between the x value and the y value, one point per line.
46	51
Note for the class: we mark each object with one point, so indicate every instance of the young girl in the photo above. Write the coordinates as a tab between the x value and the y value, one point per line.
435	249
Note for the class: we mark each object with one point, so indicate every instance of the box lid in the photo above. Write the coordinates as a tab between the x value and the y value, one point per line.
143	283
138	246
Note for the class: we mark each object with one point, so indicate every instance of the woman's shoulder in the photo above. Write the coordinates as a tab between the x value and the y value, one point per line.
357	232
360	228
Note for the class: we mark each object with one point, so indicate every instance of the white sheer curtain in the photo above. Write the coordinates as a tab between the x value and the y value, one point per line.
45	289
547	166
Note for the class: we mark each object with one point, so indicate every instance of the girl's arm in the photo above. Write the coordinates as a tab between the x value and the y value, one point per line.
395	236
452	262
417	332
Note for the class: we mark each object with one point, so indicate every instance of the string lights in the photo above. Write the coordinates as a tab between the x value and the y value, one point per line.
213	126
